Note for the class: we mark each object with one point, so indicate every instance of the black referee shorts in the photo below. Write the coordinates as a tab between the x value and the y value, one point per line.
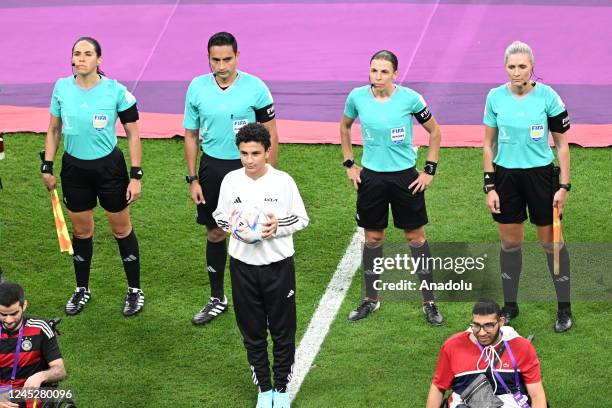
379	190
520	190
86	181
210	175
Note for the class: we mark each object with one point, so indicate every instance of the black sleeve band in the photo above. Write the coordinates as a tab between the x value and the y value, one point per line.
129	115
265	114
423	116
559	123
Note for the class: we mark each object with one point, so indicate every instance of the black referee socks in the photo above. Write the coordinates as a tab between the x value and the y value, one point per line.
425	274
561	281
130	255
368	256
81	259
216	256
511	263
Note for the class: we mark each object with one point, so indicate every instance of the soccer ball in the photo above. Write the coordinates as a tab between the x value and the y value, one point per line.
246	224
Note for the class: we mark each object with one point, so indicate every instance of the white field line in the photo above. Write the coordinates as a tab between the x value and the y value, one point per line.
154	48
421	37
326	312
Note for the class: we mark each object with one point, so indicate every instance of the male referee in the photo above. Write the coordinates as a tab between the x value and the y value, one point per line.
263	275
217	105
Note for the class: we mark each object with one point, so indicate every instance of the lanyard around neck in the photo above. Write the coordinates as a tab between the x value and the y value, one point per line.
496	373
17	350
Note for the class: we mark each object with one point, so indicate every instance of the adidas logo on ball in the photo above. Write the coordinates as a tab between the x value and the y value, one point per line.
246	224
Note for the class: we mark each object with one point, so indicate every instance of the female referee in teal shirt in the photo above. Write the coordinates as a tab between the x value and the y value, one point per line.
389	176
520	175
84	107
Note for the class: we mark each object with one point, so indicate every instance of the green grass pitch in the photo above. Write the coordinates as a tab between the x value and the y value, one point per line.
158	359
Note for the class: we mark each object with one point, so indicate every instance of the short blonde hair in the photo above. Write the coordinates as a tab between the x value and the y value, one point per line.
518	47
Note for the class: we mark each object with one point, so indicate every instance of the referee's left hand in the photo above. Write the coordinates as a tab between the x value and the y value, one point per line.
421	183
133	191
269	228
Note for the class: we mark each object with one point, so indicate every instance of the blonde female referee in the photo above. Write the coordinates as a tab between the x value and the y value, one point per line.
520	176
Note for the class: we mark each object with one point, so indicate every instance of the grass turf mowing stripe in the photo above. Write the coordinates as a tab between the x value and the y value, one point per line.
326	312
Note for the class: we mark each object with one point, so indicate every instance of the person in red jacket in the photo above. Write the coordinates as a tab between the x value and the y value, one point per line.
508	361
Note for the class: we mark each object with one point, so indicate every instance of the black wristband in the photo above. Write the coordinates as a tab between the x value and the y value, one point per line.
136	173
46	167
489	178
430	167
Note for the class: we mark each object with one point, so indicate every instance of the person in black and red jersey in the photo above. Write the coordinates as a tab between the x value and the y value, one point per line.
29	353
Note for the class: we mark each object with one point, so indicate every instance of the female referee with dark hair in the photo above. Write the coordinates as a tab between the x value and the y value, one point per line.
520	175
84	107
389	176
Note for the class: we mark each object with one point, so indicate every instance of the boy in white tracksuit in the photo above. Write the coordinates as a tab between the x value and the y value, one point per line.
263	275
